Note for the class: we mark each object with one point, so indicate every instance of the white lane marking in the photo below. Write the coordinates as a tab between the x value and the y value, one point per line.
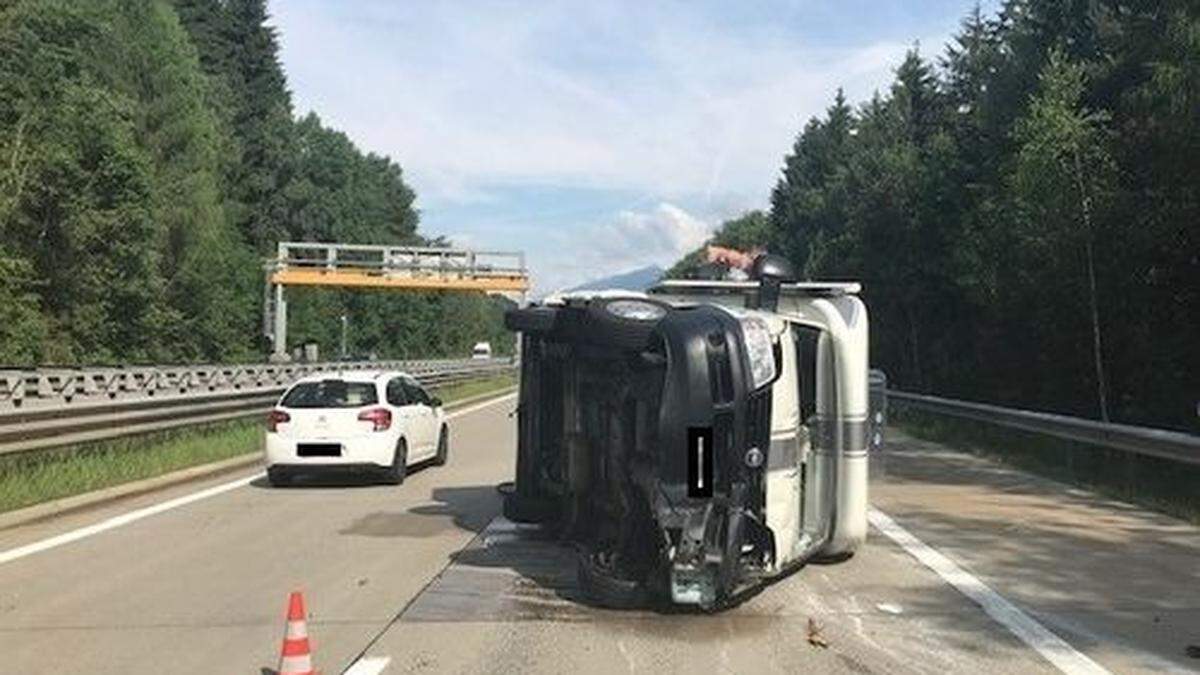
1052	648
134	516
371	666
123	519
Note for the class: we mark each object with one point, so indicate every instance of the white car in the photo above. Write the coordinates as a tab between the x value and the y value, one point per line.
383	421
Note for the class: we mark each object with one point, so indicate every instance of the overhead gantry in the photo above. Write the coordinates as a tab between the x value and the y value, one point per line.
411	268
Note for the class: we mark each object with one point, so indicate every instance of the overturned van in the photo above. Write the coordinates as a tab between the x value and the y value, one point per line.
696	441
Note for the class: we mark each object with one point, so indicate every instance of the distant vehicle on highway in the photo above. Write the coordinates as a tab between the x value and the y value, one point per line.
371	420
697	441
481	350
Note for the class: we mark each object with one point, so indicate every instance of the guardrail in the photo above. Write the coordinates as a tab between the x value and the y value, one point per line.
1171	445
44	409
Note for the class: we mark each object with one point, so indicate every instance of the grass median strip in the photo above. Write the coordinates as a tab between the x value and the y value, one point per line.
32	478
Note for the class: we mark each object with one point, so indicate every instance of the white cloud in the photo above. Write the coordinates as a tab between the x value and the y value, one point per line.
617	96
658	236
629	240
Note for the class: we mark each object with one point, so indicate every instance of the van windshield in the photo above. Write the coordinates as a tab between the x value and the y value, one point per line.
331	394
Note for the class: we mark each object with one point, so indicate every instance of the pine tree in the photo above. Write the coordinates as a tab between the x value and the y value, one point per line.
262	124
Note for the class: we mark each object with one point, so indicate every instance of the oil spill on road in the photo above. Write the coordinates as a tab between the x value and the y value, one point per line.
513	573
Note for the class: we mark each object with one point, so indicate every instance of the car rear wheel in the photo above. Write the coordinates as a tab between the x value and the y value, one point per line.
399	469
443	448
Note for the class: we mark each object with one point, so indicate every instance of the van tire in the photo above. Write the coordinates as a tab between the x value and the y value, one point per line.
610	329
605	589
521	509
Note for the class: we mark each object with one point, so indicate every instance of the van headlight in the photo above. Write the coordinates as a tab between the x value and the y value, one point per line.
760	349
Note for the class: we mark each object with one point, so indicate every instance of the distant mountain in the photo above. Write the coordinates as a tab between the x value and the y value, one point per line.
634	280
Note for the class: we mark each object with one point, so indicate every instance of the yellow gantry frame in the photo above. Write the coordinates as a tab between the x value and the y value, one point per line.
386	267
372	279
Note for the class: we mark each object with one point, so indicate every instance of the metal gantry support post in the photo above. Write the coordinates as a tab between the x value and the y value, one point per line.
279	334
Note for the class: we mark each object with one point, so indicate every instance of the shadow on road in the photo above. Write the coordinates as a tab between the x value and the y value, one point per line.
469	507
335	477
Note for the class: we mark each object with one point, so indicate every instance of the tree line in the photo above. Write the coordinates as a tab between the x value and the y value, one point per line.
1023	211
150	159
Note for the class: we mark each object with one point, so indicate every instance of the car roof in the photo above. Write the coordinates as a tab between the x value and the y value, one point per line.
354	375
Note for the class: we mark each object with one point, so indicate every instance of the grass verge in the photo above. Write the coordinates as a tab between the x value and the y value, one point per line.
32	478
1157	484
457	392
37	477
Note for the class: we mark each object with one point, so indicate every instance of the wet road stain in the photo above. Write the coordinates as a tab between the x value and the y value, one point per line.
517	573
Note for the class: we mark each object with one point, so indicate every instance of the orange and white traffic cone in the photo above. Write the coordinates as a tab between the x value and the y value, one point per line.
296	658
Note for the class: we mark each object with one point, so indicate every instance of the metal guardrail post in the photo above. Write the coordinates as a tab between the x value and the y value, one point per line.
877	392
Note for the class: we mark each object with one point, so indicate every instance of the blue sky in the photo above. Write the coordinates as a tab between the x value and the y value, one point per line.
595	136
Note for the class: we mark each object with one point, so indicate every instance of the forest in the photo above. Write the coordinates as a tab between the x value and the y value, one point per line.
1023	209
150	160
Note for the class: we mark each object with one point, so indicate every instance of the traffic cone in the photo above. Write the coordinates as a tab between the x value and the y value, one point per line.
296	658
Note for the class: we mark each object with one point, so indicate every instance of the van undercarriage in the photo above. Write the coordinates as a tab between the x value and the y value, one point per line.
644	446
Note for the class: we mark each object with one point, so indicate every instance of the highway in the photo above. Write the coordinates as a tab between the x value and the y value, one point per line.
425	577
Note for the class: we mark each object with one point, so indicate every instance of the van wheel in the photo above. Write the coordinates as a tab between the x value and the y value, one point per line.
604	587
443	448
607	328
278	477
522	509
832	559
397	472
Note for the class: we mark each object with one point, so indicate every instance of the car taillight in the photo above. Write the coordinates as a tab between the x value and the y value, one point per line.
275	418
380	417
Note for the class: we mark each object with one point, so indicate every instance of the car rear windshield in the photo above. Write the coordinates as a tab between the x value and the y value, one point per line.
331	394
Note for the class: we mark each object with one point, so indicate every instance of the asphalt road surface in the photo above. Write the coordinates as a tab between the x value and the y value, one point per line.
976	569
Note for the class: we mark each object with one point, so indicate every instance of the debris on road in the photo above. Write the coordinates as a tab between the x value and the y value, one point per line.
889	608
815	638
1193	651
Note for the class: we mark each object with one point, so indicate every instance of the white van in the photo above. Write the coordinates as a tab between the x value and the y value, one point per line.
481	350
698	441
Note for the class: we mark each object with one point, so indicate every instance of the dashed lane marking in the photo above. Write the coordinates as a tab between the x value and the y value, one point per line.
1051	647
368	666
